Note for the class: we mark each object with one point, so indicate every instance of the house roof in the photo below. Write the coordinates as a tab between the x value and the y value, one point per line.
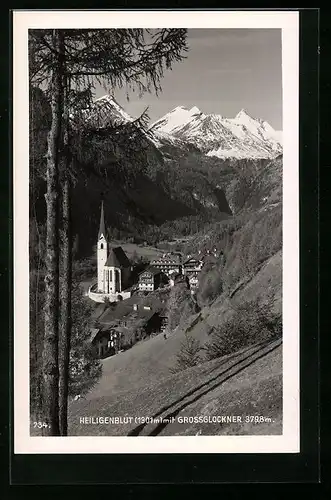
93	333
205	258
145	314
117	258
151	269
198	258
125	308
168	259
127	332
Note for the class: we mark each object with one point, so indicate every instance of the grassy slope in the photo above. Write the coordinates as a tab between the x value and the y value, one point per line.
147	252
265	288
246	384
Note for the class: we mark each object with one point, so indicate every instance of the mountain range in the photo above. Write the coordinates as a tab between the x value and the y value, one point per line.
241	137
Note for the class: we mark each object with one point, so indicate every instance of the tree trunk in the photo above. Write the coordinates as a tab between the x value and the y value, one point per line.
65	305
50	351
66	271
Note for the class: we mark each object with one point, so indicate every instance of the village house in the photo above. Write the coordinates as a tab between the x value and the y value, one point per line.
121	326
192	268
169	263
194	279
176	278
151	278
193	265
164	320
105	342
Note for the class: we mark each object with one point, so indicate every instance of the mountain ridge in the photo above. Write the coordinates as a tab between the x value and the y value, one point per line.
240	137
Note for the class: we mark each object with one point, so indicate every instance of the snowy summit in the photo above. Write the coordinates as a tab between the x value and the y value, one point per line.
240	137
214	135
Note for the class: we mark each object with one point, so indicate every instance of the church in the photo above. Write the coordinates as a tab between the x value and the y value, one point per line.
114	267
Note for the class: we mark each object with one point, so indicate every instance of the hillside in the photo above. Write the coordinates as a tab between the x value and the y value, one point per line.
139	381
248	383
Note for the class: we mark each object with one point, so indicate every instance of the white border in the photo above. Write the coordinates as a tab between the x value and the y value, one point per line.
288	22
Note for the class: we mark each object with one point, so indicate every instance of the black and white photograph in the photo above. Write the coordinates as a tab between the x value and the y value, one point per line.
156	289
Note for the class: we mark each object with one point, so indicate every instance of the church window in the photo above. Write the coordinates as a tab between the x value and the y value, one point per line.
101	246
110	275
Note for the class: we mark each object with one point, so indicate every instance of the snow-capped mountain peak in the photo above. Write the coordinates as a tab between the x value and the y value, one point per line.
239	137
195	110
245	119
189	111
212	134
108	103
106	111
176	118
242	114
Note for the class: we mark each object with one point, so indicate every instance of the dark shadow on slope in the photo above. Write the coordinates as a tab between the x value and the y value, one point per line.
142	201
222	202
169	416
137	430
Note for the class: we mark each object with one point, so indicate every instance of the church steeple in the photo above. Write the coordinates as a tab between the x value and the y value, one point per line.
102	250
102	227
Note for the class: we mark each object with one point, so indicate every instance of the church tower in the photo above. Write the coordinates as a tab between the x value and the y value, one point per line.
102	250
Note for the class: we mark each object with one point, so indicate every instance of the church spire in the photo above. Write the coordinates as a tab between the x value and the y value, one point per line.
102	228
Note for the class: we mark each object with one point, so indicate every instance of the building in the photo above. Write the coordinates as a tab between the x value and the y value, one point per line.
193	264
176	278
192	268
168	263
193	279
164	320
114	268
122	326
105	342
151	278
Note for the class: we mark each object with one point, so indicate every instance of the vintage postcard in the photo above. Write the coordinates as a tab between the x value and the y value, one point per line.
156	232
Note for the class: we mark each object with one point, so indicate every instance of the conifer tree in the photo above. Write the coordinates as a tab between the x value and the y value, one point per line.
188	355
68	63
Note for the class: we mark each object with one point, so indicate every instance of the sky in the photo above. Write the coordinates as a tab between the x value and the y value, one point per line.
225	70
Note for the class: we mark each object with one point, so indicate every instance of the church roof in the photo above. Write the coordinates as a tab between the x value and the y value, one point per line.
117	258
102	227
